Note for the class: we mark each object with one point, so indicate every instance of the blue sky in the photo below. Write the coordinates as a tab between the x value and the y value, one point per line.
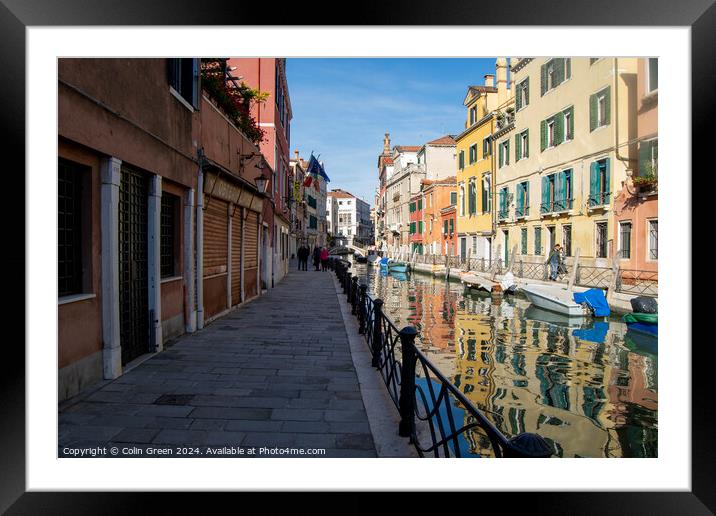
343	107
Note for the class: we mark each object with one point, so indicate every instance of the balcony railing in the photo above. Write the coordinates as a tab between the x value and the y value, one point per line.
522	211
599	199
427	401
503	214
557	206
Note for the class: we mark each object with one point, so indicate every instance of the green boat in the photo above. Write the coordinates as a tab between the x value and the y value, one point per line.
641	318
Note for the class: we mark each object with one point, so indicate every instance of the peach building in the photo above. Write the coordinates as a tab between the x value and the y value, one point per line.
437	194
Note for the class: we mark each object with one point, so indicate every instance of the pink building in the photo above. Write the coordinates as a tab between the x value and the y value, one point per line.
274	118
636	205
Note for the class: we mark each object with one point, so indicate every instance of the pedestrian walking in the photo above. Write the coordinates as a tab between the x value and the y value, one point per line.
317	257
302	257
553	261
562	269
324	259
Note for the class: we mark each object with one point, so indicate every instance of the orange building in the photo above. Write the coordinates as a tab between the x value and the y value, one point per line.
437	195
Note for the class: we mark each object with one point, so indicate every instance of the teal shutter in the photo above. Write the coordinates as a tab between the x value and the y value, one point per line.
543	135
607	105
592	112
502	200
558	128
527	198
543	84
559	191
593	183
606	188
520	198
544	208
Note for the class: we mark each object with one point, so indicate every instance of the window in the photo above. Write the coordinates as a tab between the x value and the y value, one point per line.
599	109
473	115
452	226
599	193
557	192
486	147
504	158
312	202
420	204
653	239
69	227
550	133
522	94
649	157
601	228
462	160
538	240
472	197
522	145
473	153
486	194
184	79
568	123
412	207
552	129
554	72
523	235
652	75
523	199
445	231
420	227
474	246
567	239
504	204
167	234
453	198
412	228
593	60
625	240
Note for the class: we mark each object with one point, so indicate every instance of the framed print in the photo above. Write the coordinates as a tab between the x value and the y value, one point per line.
376	243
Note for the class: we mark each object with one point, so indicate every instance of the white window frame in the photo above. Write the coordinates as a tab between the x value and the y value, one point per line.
550	133
567	116
521	90
648	240
601	109
523	144
462	199
597	223
620	242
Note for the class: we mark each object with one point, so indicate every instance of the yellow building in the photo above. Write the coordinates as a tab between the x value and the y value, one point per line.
564	155
474	174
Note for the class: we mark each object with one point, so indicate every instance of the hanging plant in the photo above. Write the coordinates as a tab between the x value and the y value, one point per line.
234	100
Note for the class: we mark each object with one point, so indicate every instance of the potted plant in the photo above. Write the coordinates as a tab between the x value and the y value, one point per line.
648	180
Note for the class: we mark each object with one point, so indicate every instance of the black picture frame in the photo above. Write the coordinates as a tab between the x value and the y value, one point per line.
16	15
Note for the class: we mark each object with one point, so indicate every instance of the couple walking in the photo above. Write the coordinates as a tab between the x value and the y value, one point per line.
556	262
320	257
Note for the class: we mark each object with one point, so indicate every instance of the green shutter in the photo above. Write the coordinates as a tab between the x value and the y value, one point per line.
543	135
593	183
518	99
518	148
558	71
446	223
607	183
543	85
644	158
501	154
520	197
538	240
607	105
527	198
484	196
592	112
507	152
527	91
420	227
558	128
462	159
420	204
567	68
525	151
570	129
452	226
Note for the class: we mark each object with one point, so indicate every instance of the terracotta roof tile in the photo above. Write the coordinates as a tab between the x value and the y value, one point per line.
443	140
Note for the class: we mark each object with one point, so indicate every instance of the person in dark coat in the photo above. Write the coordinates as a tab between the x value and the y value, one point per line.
317	257
302	253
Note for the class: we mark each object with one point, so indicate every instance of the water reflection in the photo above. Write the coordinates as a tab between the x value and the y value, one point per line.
589	387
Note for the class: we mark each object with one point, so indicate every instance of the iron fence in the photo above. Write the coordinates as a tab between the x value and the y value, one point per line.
642	283
438	419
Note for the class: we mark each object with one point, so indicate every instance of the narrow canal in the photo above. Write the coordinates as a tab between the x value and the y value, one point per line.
589	388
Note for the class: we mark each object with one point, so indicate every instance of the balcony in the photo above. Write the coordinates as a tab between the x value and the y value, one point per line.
522	212
503	214
598	200
556	207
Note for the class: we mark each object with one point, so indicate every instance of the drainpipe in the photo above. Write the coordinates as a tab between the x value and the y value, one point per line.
200	244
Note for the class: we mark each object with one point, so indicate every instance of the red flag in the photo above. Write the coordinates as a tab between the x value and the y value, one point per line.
317	186
308	180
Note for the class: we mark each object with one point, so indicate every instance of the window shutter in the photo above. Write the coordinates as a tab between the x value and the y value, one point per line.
518	99
507	152
462	159
543	135
544	208
518	147
420	227
607	105
527	198
524	240
567	68
543	82
559	191
558	71
644	157
607	186
483	196
592	112
526	150
558	128
520	198
570	129
501	154
593	182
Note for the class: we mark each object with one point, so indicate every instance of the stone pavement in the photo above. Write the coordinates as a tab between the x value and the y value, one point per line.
276	372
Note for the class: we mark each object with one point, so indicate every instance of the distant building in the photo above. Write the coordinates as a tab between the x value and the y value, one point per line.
436	196
353	217
400	186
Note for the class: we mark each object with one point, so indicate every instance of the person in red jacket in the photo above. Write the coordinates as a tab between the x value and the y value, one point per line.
324	258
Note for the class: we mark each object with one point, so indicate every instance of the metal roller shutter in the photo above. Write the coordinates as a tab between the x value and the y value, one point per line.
251	246
216	227
236	257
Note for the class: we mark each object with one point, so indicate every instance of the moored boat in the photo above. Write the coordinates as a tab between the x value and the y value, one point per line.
642	323
554	298
397	266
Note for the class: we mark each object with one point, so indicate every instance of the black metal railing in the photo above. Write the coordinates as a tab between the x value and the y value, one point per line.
438	419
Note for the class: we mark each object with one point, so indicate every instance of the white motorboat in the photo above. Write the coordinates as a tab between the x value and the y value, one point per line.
554	298
472	280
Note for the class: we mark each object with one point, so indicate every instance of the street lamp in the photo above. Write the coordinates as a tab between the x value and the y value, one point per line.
261	183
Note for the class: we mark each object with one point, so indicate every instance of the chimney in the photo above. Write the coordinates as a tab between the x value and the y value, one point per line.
489	79
501	69
386	144
296	154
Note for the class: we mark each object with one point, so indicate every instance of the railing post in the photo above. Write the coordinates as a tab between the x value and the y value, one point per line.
407	382
354	294
377	331
362	311
347	286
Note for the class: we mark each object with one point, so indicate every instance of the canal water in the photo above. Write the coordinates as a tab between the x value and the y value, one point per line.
590	388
